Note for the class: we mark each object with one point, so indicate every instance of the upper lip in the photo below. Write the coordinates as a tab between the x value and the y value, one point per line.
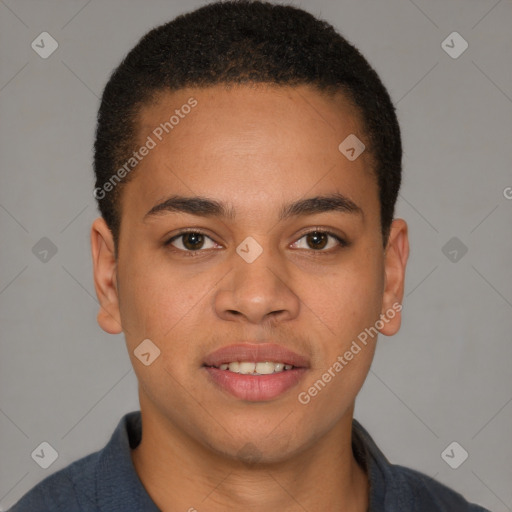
255	352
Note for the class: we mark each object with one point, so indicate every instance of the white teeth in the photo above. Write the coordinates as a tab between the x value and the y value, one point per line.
259	368
265	368
246	367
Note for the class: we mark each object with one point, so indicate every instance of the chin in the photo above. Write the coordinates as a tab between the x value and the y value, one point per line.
259	449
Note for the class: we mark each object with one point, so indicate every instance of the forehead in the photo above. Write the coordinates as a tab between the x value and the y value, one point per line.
252	107
233	143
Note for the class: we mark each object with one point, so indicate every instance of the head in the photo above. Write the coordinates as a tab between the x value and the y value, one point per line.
230	122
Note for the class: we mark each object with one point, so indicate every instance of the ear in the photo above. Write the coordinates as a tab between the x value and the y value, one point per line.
395	261
105	278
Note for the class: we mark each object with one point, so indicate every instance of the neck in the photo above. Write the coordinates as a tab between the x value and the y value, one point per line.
181	474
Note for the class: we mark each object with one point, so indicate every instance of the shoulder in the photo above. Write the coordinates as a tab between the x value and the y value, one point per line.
104	480
395	487
413	490
71	489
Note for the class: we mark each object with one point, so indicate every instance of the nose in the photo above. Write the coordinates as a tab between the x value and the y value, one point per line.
257	291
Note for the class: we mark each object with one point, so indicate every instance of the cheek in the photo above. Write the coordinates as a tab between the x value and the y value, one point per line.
343	354
349	305
155	304
347	300
332	390
154	298
345	309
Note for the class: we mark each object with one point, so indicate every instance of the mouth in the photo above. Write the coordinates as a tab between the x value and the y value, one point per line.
258	368
255	372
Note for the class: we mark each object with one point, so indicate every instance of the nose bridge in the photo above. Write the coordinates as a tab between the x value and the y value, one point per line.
259	284
257	277
253	278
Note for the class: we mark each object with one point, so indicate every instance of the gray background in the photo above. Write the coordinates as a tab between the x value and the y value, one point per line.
445	377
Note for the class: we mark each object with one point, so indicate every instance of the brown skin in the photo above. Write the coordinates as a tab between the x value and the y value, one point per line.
254	148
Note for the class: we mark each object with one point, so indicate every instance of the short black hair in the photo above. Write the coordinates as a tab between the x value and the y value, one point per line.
242	42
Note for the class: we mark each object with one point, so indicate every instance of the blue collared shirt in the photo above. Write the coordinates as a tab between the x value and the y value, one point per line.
106	481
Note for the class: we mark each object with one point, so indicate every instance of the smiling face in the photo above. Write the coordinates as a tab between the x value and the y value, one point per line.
284	247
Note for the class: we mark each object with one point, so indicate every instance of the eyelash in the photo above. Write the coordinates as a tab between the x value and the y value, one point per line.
342	242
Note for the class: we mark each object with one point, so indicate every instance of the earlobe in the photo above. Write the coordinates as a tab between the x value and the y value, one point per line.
395	262
105	277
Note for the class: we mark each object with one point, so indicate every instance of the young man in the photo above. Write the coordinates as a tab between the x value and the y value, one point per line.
247	161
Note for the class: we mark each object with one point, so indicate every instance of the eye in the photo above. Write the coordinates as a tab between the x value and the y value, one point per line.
194	241
318	240
190	241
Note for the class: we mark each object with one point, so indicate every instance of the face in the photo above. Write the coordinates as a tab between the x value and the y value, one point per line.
283	261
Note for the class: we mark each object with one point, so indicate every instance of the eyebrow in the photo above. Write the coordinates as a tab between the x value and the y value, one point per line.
206	207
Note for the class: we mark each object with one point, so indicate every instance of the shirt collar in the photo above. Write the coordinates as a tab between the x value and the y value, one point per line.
373	461
118	486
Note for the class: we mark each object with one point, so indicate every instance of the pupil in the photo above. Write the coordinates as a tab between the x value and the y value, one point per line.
193	241
320	239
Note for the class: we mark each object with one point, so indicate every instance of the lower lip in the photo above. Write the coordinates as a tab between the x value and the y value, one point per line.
255	388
